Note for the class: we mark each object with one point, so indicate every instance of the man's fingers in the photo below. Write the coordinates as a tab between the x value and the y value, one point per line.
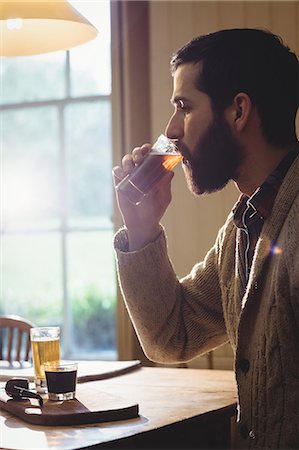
118	174
129	161
127	164
139	153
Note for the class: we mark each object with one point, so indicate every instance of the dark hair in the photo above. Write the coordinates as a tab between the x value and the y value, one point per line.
253	61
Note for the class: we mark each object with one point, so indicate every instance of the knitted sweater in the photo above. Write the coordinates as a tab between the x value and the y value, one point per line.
177	320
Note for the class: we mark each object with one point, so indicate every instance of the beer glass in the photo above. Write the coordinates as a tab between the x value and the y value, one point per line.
164	156
45	342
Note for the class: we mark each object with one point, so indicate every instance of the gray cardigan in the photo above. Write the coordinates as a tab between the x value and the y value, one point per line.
177	320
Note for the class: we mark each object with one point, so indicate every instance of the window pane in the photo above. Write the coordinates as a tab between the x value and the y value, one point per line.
90	63
56	174
89	162
31	78
92	292
30	168
31	277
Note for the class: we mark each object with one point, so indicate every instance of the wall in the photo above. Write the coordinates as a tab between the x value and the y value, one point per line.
192	223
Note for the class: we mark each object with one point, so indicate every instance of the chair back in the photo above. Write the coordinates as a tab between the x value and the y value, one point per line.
15	342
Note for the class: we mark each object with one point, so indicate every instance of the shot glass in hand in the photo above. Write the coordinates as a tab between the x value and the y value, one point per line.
61	380
163	156
45	342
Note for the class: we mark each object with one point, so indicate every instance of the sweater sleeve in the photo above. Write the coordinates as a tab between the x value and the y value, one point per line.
175	320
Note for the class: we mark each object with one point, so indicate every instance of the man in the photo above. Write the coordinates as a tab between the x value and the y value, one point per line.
235	99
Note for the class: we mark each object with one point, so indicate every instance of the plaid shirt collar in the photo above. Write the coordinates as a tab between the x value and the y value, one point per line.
259	205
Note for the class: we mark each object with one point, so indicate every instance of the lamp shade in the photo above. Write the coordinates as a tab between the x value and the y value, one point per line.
41	26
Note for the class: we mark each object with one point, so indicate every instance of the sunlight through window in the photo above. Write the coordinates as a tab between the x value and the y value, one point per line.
57	190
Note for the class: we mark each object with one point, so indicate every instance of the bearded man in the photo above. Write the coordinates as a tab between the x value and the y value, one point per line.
235	100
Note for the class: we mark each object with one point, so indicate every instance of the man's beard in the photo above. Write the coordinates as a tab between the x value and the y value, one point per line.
214	161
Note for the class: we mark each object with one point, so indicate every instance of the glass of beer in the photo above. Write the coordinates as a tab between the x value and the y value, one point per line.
164	156
45	342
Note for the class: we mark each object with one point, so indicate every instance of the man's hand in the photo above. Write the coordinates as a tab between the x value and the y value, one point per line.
142	221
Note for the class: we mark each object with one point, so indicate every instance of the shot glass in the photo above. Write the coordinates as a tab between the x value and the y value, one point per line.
61	380
164	156
45	342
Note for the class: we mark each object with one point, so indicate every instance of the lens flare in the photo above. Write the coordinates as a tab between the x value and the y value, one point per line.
276	250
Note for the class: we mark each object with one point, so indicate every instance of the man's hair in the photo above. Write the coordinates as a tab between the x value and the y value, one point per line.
252	61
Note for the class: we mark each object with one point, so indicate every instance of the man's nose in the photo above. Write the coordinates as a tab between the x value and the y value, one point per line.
174	128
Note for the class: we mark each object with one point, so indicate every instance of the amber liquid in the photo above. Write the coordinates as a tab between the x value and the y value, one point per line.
136	185
44	350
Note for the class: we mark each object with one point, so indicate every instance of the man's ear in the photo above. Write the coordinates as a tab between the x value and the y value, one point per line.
241	109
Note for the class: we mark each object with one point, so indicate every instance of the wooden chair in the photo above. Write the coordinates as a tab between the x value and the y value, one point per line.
15	339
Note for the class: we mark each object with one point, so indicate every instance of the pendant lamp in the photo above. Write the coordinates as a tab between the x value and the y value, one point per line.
41	26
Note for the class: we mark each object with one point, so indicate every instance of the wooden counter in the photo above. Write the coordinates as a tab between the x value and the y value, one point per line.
179	408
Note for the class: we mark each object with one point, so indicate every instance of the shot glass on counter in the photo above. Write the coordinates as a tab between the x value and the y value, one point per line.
61	377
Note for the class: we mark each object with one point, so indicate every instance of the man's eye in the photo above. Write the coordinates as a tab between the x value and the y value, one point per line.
181	105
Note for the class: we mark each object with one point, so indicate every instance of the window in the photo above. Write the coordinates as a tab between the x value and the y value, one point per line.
56	190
